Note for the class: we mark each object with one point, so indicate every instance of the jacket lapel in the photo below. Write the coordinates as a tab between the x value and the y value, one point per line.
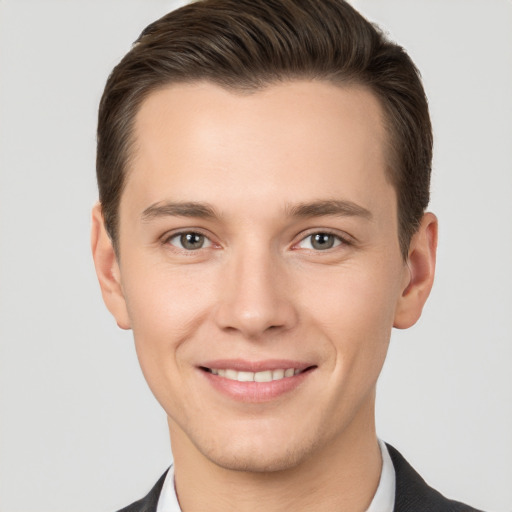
414	495
150	502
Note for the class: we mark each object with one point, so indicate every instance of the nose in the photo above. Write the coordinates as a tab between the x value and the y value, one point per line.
255	296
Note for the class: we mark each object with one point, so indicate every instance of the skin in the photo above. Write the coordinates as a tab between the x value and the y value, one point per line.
258	289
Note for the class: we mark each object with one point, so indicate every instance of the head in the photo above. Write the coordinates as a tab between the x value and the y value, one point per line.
246	46
263	171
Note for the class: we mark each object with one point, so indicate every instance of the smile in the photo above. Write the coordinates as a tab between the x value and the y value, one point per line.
261	376
255	382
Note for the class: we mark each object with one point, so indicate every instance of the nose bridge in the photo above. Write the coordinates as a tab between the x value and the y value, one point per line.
254	293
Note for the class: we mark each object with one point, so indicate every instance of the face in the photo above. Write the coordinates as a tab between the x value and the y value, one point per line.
259	266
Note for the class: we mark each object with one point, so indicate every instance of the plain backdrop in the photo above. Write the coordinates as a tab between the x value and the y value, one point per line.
79	430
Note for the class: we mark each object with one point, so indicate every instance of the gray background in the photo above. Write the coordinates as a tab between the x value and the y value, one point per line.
79	431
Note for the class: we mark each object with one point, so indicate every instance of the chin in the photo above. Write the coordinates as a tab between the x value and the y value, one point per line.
257	463
268	455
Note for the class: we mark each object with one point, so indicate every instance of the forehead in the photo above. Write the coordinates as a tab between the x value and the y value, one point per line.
297	138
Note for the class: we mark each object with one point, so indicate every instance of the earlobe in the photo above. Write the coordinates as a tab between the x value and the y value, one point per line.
107	269
421	264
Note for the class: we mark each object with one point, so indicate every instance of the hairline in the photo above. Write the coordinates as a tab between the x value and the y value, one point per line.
248	87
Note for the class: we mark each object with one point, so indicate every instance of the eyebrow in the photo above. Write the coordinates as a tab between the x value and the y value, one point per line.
330	207
179	209
333	207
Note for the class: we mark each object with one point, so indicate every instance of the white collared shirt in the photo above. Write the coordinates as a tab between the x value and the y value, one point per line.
383	501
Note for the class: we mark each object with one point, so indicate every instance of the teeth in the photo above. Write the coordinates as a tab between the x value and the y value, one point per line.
231	374
242	376
277	374
264	376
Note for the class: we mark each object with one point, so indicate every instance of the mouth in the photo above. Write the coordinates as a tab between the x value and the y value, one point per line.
256	382
260	376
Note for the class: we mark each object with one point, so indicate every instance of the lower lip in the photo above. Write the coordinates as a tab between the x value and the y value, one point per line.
256	392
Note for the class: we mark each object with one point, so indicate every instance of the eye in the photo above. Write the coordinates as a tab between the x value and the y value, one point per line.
189	241
320	241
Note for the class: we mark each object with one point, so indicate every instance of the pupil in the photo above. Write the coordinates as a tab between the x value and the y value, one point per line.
192	240
323	241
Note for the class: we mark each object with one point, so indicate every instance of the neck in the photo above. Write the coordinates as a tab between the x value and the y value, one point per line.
341	475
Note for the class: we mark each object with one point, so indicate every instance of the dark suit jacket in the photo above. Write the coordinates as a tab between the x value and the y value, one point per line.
412	493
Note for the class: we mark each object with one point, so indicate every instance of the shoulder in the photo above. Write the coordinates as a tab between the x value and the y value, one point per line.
413	494
149	502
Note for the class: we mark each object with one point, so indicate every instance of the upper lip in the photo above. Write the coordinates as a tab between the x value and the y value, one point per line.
242	365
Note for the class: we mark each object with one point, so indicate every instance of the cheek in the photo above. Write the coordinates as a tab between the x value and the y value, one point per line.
159	295
354	294
354	307
165	306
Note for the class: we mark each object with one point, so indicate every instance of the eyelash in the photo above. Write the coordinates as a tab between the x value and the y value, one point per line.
338	240
167	240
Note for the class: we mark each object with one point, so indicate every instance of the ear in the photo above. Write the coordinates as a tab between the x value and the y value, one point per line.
107	269
421	264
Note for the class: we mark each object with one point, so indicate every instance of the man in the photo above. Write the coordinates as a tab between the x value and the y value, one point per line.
263	169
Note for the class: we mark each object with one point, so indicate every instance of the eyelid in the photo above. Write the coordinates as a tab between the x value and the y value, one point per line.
344	238
167	237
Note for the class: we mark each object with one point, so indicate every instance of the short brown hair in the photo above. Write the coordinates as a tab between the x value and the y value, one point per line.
249	44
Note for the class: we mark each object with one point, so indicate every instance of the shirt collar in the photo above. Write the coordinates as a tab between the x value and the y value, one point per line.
384	498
